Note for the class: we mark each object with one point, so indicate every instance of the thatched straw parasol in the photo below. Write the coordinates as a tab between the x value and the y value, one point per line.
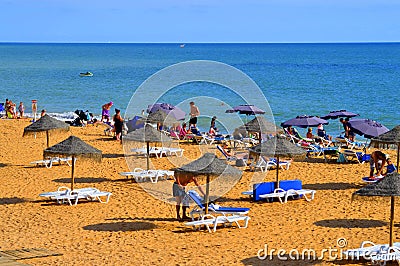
260	125
277	146
76	148
387	187
161	117
147	134
208	164
390	137
46	123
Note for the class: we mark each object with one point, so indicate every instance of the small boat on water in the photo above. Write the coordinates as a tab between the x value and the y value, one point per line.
182	45
87	74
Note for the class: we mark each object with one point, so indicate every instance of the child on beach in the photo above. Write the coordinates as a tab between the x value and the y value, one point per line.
21	109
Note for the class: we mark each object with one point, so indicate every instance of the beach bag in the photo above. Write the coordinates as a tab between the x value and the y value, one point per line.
341	158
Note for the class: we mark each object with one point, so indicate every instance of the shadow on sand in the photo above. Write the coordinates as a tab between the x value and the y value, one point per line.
332	186
120	226
14	200
82	180
350	223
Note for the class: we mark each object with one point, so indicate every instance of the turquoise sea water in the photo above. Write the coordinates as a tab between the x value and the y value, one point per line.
296	79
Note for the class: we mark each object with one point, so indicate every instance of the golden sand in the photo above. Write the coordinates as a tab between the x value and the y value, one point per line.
135	228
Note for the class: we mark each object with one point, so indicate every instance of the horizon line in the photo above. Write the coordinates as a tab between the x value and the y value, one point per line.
77	42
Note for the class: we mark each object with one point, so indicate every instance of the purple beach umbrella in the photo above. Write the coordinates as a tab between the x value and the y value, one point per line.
368	128
340	113
246	109
304	121
167	108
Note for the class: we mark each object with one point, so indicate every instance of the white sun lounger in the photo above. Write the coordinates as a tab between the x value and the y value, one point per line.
65	195
376	253
141	175
211	222
48	163
283	195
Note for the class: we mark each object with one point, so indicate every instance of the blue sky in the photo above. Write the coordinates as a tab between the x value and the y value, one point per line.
186	21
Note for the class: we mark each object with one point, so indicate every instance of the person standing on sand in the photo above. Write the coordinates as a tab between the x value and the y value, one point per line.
105	112
194	113
179	192
21	109
118	124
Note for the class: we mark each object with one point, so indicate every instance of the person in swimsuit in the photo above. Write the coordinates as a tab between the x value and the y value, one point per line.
105	113
179	192
194	113
118	124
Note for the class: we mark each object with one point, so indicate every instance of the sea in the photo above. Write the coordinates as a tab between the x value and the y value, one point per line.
293	79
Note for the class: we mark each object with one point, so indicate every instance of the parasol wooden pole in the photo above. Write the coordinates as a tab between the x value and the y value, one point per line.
47	138
277	171
148	155
398	152
207	192
72	173
391	220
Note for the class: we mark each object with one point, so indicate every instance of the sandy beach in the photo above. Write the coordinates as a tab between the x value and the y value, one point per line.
134	228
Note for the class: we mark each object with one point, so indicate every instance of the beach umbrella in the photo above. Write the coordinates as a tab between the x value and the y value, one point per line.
386	187
135	123
161	117
209	164
339	113
147	134
276	147
368	128
261	125
246	109
76	148
304	121
390	137
46	124
167	108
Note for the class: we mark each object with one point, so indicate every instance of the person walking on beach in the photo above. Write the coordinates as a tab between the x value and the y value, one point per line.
194	113
118	124
179	192
105	112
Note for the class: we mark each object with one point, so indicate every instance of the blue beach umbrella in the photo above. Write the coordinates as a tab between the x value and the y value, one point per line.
246	109
339	113
367	127
304	121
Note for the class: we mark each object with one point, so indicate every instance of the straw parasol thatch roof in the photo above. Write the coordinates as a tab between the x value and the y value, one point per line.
45	124
389	186
260	124
277	146
161	117
73	146
147	134
390	137
208	164
76	148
